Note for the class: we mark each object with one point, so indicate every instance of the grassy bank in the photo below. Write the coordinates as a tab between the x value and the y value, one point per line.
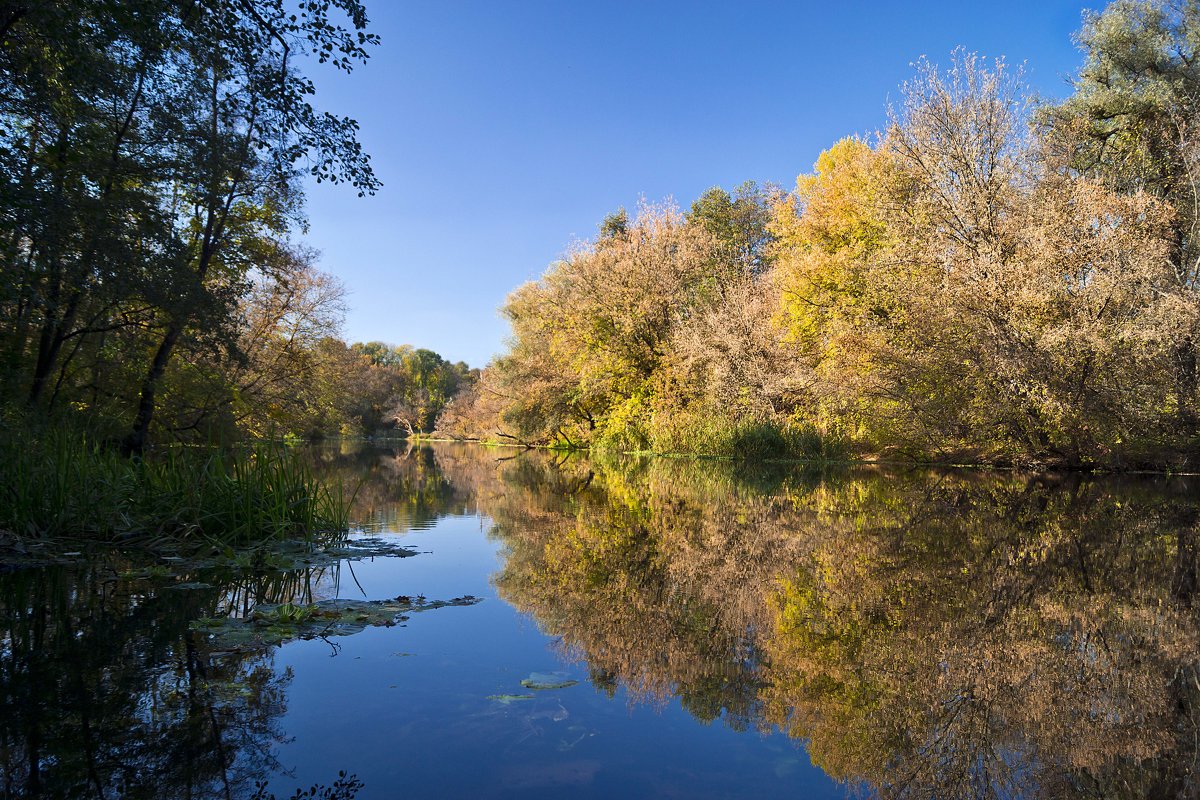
63	485
742	439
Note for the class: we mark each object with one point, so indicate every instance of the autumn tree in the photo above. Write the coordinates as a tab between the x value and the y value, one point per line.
1133	123
605	348
956	292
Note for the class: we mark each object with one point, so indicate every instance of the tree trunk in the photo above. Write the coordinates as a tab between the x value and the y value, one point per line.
135	442
1185	385
54	333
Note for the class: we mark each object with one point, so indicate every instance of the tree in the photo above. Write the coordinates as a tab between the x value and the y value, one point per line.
592	334
150	151
1133	123
267	381
955	291
983	281
255	126
740	222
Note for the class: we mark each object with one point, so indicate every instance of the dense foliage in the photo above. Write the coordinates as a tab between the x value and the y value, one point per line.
151	276
987	279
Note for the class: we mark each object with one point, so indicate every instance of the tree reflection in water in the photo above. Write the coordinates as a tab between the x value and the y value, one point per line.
927	635
105	692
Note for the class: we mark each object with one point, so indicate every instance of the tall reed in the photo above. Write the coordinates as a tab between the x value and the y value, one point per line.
63	485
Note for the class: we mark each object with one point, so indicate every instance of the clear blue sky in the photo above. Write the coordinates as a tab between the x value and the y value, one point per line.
504	130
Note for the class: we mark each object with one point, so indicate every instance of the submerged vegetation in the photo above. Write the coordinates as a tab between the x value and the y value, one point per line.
270	625
988	279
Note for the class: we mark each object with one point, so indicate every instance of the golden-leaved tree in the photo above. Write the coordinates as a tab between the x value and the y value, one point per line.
960	293
984	280
593	354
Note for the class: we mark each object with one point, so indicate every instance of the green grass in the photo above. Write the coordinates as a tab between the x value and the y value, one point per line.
743	439
62	485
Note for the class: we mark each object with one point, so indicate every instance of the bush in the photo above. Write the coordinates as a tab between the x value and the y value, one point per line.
750	439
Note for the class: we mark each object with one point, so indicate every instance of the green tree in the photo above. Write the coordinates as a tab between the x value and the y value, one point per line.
1133	122
150	152
740	222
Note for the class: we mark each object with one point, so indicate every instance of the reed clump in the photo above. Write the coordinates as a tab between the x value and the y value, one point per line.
67	486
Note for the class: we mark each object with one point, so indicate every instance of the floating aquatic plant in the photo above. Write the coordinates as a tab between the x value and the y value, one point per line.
274	624
541	681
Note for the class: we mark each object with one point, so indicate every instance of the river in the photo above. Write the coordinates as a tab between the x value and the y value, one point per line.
631	627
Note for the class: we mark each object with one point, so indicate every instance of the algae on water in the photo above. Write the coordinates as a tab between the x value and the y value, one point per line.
547	680
509	699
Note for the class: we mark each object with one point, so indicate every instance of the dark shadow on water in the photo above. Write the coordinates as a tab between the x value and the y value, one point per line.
106	692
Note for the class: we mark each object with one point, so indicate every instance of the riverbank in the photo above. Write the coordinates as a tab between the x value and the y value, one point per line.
772	444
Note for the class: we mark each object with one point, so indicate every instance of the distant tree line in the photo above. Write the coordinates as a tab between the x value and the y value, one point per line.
399	389
331	388
151	276
987	279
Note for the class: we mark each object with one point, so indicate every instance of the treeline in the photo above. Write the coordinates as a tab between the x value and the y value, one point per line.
988	279
379	388
325	388
152	277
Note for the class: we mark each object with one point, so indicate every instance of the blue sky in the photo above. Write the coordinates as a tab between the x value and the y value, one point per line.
505	130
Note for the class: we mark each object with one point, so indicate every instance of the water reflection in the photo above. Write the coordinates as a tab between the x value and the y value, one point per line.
923	634
394	487
927	635
104	692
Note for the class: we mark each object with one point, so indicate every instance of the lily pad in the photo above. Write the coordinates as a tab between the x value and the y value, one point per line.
367	547
19	553
547	680
298	555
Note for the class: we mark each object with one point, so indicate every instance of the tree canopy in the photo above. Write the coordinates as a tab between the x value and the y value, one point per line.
152	271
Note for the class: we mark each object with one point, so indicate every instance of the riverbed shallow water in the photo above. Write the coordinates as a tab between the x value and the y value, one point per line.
625	627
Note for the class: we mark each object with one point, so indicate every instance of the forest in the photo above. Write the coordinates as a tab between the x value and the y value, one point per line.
154	281
991	278
156	290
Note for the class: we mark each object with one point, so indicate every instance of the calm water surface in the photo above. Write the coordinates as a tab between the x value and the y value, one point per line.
721	631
